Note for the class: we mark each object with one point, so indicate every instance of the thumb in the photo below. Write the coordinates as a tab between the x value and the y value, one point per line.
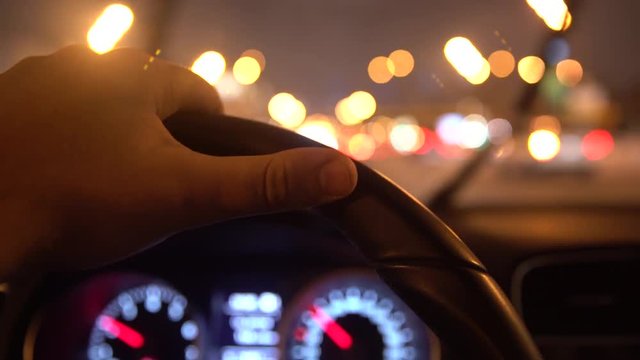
223	187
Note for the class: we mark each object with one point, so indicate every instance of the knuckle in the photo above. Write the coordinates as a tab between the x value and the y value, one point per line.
276	185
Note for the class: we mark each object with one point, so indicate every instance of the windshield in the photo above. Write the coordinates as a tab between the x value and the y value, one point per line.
414	88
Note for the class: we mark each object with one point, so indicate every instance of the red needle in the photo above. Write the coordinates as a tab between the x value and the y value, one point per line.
121	331
336	333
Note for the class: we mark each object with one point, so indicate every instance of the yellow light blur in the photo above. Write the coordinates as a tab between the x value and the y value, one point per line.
543	145
246	70
381	70
287	110
210	66
258	55
546	122
467	60
105	33
502	63
320	131
402	63
406	138
531	69
362	146
569	72
356	108
554	13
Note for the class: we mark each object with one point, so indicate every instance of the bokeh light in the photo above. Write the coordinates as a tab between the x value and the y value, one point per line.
531	69
258	55
287	110
546	122
112	24
569	72
543	145
381	70
210	66
473	132
356	108
406	137
467	60
361	146
246	70
448	127
555	13
597	144
321	131
500	131
502	63
402	63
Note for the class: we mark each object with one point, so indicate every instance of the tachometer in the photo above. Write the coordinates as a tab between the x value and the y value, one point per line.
354	316
148	322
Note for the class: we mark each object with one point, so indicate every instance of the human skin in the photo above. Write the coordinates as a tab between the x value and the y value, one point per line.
89	174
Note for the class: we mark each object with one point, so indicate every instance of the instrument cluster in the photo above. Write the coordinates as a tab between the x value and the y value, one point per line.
343	314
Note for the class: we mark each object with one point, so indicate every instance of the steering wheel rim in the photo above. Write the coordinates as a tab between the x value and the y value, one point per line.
412	250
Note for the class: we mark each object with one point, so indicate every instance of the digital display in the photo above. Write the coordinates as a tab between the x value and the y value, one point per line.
251	318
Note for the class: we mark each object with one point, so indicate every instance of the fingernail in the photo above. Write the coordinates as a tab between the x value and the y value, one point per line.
338	177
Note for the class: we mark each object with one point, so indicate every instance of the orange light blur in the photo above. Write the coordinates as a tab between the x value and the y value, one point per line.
356	108
287	110
362	146
258	55
531	69
381	70
246	70
467	60
546	122
502	63
569	72
554	13
402	63
109	28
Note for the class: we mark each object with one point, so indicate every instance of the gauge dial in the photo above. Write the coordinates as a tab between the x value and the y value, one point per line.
148	322
355	316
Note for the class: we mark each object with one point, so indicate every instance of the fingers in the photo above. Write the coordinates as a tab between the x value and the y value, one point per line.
172	87
223	187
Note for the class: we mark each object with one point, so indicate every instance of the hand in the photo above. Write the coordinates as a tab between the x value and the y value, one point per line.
90	174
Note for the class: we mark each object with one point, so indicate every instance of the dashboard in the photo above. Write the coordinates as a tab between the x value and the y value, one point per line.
266	288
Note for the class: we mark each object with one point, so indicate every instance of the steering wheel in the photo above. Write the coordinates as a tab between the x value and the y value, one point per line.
412	250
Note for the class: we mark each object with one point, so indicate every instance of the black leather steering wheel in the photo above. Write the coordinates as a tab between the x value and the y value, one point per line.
413	251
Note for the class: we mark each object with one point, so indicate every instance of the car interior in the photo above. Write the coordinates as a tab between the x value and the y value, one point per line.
496	211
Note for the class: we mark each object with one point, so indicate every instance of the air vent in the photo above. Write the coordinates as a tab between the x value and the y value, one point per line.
580	295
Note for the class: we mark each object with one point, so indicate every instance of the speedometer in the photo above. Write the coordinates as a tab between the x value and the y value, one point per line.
354	316
148	322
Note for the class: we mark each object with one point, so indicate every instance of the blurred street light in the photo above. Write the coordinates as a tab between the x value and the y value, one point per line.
467	60
554	13
112	24
210	66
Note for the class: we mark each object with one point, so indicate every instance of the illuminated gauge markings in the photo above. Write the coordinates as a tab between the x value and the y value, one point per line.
356	320
147	322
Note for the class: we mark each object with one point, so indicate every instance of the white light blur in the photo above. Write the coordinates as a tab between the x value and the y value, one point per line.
500	130
210	65
448	128
287	110
269	302
473	132
320	131
543	145
228	88
406	137
554	13
467	60
112	24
